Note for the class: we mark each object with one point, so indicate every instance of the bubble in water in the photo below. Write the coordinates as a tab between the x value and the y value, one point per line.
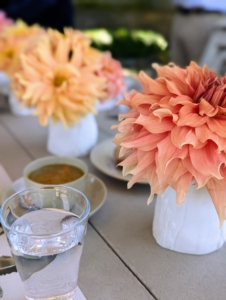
69	221
23	226
50	229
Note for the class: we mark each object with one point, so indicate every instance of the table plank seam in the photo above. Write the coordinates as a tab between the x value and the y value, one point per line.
17	140
124	263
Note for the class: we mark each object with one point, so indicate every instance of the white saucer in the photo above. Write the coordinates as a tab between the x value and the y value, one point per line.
96	191
102	157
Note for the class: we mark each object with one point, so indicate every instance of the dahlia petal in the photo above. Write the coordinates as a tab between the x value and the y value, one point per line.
143	162
208	94
164	112
154	183
200	178
205	108
218	195
223	101
167	152
142	103
217	125
181	136
135	178
204	134
188	116
173	172
216	98
146	142
199	92
183	100
193	78
174	88
62	51
70	104
128	163
124	151
181	186
206	160
31	73
150	85
121	137
171	72
126	125
154	125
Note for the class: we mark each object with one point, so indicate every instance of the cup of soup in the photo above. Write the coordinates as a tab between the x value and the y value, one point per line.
56	170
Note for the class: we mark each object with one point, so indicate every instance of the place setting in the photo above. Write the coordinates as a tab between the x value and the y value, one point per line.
60	192
93	187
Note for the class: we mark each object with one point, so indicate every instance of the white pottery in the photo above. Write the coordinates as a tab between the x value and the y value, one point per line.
191	227
4	84
76	141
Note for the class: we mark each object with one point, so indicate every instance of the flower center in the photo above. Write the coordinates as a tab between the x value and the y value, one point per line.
9	53
59	80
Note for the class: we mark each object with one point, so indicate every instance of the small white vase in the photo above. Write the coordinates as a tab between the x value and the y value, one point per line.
191	227
76	141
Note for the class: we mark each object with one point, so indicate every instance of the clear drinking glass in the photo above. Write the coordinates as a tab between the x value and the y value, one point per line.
45	228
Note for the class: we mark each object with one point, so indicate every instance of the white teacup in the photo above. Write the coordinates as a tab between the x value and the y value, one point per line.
79	184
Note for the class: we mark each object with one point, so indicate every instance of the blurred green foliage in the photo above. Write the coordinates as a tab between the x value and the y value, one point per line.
125	44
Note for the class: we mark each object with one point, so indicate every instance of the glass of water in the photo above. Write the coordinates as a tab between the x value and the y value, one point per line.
45	229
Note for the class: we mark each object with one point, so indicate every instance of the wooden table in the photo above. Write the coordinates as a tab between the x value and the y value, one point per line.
121	260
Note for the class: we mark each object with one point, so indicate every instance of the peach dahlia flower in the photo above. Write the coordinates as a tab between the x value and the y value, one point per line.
112	71
54	79
15	39
175	132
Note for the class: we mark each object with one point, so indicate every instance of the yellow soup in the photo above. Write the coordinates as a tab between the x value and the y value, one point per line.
56	174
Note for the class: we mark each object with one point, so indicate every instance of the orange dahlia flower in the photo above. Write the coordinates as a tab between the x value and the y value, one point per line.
175	132
55	80
15	39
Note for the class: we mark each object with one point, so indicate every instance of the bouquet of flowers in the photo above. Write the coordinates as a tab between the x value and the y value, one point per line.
175	132
63	77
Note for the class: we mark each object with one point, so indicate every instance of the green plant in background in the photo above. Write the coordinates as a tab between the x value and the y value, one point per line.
130	44
100	37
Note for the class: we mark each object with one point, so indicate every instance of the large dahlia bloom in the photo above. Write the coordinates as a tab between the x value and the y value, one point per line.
175	132
55	80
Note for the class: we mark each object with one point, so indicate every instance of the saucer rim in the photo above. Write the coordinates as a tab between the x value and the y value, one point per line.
90	175
100	148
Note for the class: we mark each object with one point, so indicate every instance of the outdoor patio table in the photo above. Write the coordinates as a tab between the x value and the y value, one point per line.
121	259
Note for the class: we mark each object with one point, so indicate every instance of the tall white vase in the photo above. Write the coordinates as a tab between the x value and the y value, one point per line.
191	227
76	141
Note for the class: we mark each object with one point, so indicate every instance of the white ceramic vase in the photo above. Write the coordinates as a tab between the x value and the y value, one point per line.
76	141
191	227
